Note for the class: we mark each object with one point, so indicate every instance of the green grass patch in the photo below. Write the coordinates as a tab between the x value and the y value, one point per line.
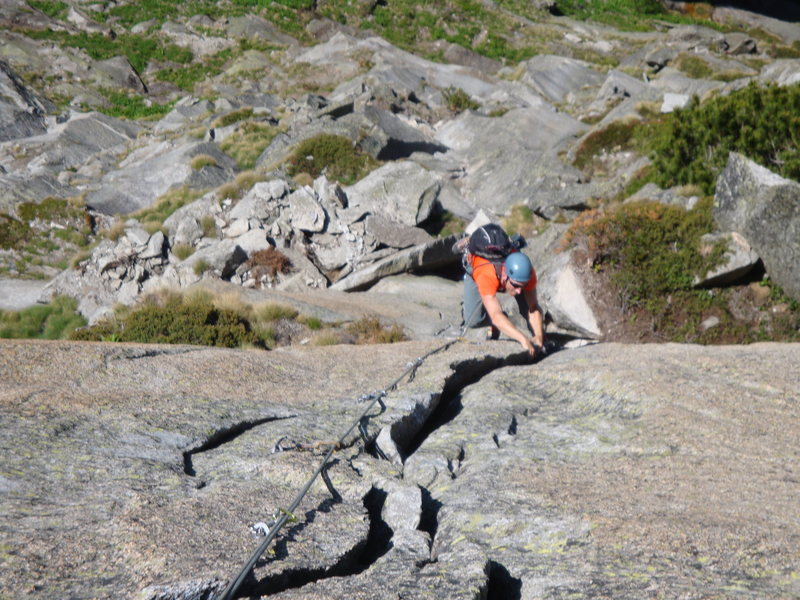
203	160
183	251
693	66
153	217
630	15
247	143
691	145
200	267
634	15
46	234
53	321
130	106
186	76
50	208
334	155
138	49
130	14
523	221
232	117
274	311
444	223
54	10
243	182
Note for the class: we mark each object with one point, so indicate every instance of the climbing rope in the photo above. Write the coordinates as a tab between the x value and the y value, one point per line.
282	516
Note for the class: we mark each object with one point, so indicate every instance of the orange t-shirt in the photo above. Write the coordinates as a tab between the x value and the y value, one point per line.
485	276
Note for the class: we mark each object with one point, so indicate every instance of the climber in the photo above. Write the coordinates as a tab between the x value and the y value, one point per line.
494	264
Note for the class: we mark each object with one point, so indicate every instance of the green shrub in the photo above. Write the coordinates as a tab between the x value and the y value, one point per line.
334	155
56	10
692	145
13	232
458	100
649	249
233	117
370	330
52	321
183	251
274	311
171	318
180	320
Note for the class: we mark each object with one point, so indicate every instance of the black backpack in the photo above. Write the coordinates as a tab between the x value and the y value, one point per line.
491	242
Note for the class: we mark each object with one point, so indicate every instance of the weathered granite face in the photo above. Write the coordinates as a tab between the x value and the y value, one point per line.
765	209
609	470
128	467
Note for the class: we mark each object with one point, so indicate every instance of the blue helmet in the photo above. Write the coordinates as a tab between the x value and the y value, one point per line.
518	267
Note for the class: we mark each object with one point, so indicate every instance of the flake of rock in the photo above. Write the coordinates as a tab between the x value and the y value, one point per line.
506	166
433	255
117	72
564	297
305	212
738	260
396	235
557	78
22	112
155	246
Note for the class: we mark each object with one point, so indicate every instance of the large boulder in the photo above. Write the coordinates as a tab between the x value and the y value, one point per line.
399	191
765	209
79	140
154	169
560	79
513	159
